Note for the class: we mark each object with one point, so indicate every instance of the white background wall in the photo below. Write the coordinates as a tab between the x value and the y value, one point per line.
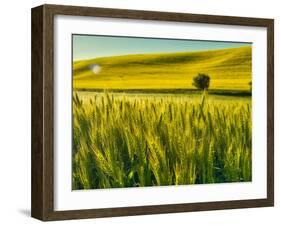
15	111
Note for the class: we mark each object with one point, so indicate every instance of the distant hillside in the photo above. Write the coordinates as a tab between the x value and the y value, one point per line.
229	69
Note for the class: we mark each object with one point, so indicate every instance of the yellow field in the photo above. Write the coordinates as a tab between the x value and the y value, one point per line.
229	69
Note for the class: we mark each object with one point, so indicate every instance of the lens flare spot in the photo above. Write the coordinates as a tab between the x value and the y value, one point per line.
96	69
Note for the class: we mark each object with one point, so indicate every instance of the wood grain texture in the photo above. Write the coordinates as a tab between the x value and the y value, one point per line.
159	16
42	112
270	111
37	114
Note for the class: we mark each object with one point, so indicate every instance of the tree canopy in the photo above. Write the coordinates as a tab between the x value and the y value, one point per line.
201	81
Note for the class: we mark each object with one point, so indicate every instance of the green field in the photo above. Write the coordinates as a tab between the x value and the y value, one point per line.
132	140
229	69
139	121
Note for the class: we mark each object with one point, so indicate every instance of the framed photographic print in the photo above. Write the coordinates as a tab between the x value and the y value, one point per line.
141	112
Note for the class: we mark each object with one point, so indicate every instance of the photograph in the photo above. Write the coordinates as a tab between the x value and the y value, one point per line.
160	112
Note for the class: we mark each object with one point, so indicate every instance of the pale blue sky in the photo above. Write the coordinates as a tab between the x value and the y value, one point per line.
91	46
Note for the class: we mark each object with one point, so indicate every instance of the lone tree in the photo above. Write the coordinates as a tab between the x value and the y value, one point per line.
201	81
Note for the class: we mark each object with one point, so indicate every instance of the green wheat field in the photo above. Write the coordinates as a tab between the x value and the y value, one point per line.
140	121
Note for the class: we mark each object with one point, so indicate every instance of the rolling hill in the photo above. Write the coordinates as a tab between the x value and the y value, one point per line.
229	69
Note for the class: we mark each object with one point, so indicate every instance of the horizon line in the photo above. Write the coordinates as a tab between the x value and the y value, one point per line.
159	53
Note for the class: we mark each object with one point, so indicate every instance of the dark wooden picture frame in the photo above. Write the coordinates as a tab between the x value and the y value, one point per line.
42	203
